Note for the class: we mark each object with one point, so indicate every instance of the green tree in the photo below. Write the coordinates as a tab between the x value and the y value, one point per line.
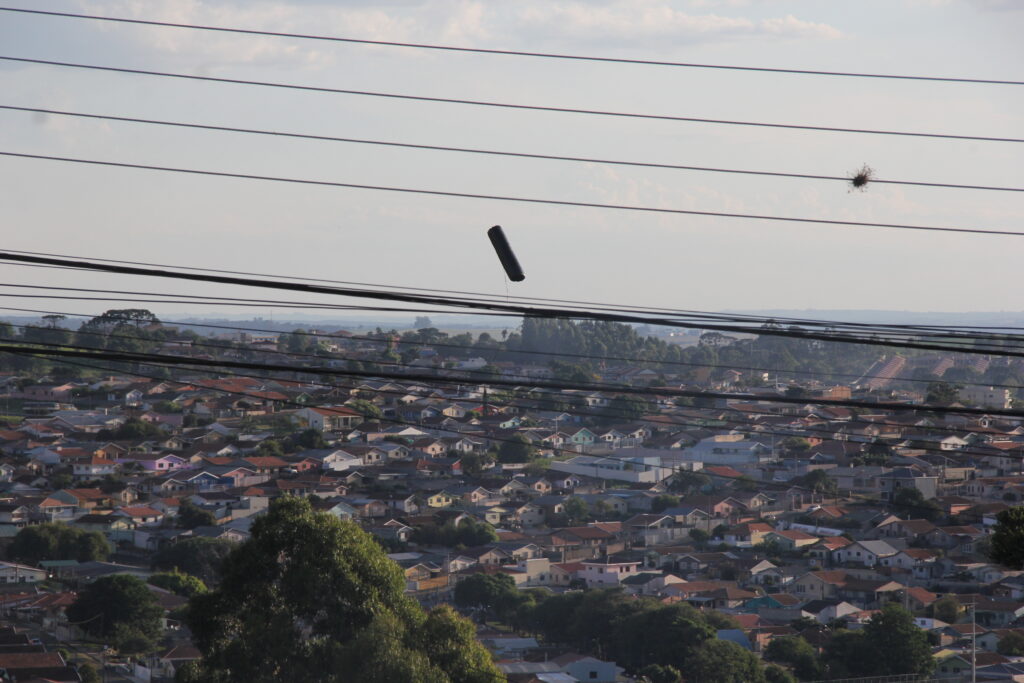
311	438
270	447
483	590
121	608
946	609
797	653
178	583
897	645
626	408
664	502
516	449
473	464
60	481
723	661
687	482
890	644
1008	538
911	502
191	515
198	556
776	674
367	409
1011	645
699	536
942	393
819	482
310	597
56	541
134	429
656	673
89	673
576	510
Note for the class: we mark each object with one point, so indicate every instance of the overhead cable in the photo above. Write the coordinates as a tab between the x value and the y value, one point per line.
493	152
507	105
533	311
507	198
527	352
72	351
515	53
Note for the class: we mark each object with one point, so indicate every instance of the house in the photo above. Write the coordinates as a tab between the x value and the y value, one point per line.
93	467
907	477
608	571
585	668
864	553
11	572
818	584
328	419
820	553
791	539
747	534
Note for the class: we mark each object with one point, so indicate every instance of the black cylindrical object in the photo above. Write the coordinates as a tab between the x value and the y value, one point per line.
508	259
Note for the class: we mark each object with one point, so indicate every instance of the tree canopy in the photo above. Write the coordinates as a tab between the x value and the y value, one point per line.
191	515
120	608
178	583
311	597
200	556
889	644
517	448
55	541
1008	538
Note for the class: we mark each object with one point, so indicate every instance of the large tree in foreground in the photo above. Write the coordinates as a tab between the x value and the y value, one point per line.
309	597
1008	538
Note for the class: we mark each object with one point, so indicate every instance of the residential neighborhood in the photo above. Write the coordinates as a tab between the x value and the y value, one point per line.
774	520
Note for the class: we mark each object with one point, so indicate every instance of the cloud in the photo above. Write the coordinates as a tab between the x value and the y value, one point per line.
998	5
625	21
461	21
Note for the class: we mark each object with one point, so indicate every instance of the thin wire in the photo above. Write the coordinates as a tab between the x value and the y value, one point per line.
484	350
745	420
734	425
517	53
873	340
765	484
492	152
73	351
733	317
508	105
1001	349
507	198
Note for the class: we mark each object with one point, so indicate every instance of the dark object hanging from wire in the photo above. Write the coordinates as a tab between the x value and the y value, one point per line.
508	259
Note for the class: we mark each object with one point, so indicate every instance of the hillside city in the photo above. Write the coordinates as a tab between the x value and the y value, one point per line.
653	530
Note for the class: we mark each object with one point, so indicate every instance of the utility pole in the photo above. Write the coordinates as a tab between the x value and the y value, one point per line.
974	643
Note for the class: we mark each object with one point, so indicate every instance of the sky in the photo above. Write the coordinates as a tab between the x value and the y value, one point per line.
621	257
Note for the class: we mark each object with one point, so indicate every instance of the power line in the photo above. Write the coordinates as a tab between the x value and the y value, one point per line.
492	152
516	53
507	198
742	423
736	425
491	306
510	105
72	351
610	388
485	350
202	300
897	331
477	296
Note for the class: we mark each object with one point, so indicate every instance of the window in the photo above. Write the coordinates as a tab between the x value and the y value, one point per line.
593	675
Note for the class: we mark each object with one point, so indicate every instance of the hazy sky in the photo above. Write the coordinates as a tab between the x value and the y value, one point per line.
573	253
